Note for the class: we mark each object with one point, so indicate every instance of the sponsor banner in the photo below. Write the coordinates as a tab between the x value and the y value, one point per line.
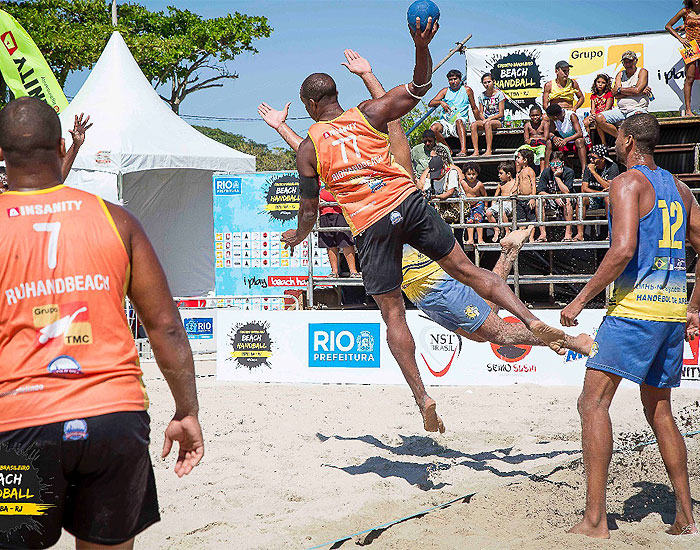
522	70
350	347
251	211
199	328
200	325
24	68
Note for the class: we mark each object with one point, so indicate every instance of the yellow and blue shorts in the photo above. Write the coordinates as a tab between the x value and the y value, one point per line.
645	352
453	305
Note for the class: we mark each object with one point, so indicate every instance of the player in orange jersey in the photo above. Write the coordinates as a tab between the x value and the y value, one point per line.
72	402
349	152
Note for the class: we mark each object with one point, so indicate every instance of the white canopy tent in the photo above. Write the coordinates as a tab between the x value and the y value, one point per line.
141	153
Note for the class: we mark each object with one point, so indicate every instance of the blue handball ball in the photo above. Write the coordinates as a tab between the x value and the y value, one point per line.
422	9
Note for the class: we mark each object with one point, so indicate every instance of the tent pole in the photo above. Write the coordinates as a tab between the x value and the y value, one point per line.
120	187
114	13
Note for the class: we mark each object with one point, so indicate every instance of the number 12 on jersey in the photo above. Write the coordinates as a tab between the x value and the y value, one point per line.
675	211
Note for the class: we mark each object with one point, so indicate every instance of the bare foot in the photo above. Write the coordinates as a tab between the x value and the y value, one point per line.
551	336
474	154
487	153
431	421
461	154
495	237
690	529
469	242
584	527
516	239
583	343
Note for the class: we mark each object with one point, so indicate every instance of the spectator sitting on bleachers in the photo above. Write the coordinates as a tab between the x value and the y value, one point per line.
492	105
562	90
507	188
632	92
596	178
555	179
568	135
420	154
527	185
474	212
536	134
439	182
455	100
601	100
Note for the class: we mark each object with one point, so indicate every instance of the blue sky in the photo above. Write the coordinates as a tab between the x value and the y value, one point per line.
310	36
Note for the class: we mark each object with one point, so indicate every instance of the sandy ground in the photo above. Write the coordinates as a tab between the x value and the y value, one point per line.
297	466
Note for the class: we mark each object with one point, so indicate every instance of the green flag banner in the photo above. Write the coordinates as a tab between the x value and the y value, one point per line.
24	68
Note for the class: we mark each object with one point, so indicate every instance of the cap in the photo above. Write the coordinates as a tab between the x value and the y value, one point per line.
562	65
629	54
435	167
600	150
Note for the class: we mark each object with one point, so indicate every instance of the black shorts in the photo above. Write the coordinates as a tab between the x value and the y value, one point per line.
412	222
334	239
96	474
524	213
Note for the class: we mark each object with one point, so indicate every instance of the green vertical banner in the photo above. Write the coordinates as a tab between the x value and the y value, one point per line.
23	66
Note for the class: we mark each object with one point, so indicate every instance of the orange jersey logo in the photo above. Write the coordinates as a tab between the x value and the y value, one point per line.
65	347
354	162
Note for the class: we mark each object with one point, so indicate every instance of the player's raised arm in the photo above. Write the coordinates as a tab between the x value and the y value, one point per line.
151	297
308	195
401	99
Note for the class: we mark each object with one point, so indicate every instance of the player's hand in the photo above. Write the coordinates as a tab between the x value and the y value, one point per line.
423	38
692	324
569	314
290	239
273	117
356	64
188	433
80	126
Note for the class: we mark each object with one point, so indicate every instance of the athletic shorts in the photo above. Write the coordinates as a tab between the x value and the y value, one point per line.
507	209
615	116
596	203
449	129
453	305
334	239
570	146
537	150
645	352
98	477
380	246
476	213
524	213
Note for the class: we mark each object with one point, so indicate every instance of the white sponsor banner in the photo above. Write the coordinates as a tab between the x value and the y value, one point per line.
521	71
350	347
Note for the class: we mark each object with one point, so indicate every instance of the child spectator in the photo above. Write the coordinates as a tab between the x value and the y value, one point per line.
567	134
536	134
596	178
556	179
527	185
492	104
474	212
601	100
455	100
507	188
333	241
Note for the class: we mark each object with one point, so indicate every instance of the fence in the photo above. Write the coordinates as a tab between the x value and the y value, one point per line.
516	279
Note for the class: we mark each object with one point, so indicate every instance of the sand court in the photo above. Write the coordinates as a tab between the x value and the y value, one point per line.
295	466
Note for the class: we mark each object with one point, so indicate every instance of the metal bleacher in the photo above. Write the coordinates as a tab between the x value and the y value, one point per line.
551	273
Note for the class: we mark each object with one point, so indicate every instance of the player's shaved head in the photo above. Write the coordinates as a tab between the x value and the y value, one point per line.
645	130
29	130
318	86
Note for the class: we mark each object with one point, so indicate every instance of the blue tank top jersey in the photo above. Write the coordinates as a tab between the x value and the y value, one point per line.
653	285
459	103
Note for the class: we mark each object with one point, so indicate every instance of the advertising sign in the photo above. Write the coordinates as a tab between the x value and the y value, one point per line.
251	211
521	71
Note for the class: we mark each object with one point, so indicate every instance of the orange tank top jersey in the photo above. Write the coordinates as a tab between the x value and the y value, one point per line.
354	163
66	350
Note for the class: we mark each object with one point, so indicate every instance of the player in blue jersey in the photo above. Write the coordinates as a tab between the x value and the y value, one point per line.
641	338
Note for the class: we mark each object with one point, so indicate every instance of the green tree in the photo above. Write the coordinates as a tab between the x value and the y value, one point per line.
266	158
411	118
175	48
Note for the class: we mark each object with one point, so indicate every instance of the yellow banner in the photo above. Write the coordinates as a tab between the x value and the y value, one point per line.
282	206
251	354
24	68
23	509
